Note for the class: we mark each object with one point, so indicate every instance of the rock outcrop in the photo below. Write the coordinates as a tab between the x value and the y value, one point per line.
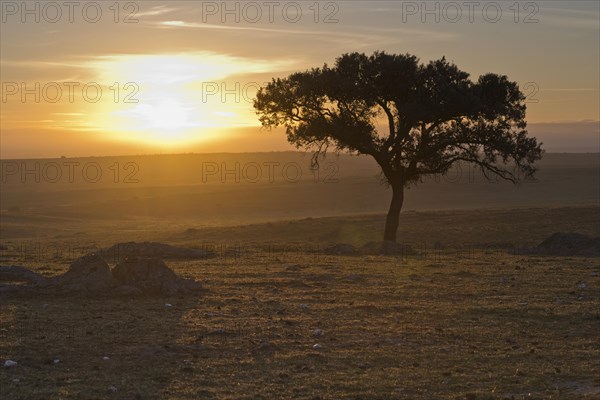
152	276
570	244
91	275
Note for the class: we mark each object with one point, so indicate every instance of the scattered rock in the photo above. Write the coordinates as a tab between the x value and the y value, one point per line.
317	346
318	332
341	249
581	285
10	363
570	244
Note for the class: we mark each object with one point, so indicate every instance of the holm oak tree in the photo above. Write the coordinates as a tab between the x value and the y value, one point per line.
434	116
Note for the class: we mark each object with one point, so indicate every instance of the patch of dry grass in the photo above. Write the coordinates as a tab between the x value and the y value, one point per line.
442	326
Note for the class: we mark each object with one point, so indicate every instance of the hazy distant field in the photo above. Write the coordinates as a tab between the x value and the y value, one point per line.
235	189
466	318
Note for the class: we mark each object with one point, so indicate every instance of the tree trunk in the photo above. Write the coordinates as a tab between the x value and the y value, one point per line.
393	216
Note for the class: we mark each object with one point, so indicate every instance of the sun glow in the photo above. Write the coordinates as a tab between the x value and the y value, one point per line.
167	120
164	98
168	115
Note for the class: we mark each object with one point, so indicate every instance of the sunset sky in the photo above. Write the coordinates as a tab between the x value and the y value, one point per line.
193	67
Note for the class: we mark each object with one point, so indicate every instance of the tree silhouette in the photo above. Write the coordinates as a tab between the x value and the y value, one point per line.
434	115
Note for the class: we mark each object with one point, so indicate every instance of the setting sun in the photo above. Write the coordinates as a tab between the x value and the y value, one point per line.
164	120
168	115
167	99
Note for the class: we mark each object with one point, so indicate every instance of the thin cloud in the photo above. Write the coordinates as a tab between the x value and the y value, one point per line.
171	68
373	37
148	67
157	10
